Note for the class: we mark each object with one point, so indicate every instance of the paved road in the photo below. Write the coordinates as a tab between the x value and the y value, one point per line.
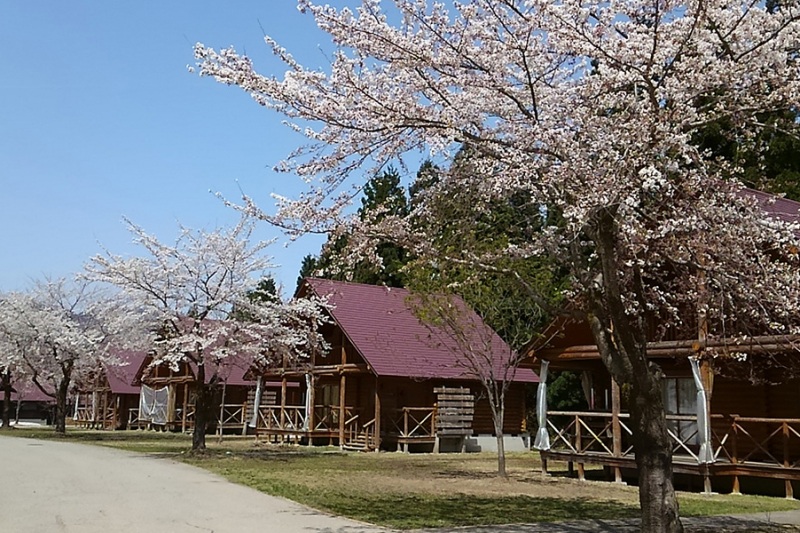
54	487
48	486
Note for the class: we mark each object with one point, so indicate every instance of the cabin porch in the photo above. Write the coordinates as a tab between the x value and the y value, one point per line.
741	446
363	412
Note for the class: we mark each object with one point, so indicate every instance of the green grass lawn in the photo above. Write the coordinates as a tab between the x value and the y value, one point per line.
410	491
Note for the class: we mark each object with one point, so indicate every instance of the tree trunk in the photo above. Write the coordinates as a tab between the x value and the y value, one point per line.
501	452
498	412
653	449
202	407
6	385
622	343
60	421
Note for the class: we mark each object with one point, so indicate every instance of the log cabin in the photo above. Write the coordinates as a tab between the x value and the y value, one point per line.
389	381
732	404
29	405
168	396
110	400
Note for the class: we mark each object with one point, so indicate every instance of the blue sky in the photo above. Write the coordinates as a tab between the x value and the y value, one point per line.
100	119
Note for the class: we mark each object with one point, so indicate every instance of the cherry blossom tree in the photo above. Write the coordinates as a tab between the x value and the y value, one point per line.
57	334
588	111
185	295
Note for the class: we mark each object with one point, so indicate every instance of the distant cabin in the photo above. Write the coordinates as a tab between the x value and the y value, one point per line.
389	381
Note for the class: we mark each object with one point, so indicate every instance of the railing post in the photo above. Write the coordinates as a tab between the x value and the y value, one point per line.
376	426
786	463
342	411
185	407
735	454
578	447
282	422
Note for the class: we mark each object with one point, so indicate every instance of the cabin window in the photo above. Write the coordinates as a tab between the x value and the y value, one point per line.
680	398
330	394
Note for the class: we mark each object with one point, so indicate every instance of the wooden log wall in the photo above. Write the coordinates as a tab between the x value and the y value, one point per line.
514	416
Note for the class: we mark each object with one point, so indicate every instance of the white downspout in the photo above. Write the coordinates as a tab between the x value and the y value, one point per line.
706	454
256	404
542	441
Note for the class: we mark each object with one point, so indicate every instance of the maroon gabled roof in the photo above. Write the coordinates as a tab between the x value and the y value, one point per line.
232	370
775	206
27	391
381	324
120	378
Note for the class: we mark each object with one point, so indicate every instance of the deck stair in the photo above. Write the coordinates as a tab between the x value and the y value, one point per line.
359	443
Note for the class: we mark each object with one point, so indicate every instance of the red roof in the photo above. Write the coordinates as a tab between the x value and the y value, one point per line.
120	378
231	370
381	324
27	391
775	206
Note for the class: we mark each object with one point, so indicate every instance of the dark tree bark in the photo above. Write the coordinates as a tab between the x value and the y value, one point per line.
6	386
60	421
622	343
498	415
202	408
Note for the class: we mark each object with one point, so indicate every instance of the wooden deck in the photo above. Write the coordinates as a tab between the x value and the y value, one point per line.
348	427
742	446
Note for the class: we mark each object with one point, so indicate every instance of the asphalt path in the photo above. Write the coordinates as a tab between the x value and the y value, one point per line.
48	486
54	487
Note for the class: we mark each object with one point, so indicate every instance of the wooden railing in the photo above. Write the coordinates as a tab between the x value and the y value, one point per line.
358	434
292	419
587	432
737	440
83	416
773	442
87	417
185	418
326	417
592	432
232	416
133	418
413	422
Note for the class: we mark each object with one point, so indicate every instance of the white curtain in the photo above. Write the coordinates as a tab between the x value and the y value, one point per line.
309	407
542	441
153	405
706	454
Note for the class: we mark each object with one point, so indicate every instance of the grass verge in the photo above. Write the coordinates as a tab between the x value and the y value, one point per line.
409	491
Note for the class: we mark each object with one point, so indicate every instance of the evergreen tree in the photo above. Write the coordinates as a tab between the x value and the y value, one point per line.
383	195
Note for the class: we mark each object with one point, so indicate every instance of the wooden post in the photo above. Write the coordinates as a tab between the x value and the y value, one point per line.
578	447
616	427
244	418
311	402
786	463
115	414
735	456
283	405
342	398
93	421
185	407
103	410
377	424
171	391
221	411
